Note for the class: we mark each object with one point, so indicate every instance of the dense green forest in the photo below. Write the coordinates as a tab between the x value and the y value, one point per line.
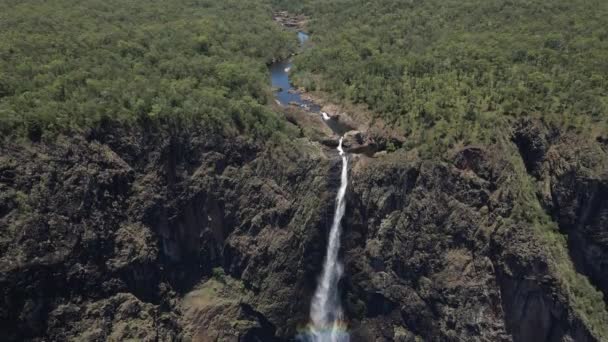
443	71
452	71
67	65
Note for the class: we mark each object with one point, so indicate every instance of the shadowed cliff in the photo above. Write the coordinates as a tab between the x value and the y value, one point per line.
175	234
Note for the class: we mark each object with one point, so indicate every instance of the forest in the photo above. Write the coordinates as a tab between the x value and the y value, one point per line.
452	71
65	66
444	72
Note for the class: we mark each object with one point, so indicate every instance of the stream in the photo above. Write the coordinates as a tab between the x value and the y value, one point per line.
286	95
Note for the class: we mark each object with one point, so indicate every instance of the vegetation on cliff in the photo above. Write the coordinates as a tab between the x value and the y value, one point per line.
582	295
66	65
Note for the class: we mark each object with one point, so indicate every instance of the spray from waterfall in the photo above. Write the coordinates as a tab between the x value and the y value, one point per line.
327	318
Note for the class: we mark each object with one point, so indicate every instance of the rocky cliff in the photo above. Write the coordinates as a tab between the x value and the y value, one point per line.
172	234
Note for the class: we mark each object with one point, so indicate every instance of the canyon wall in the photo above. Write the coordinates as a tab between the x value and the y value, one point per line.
132	232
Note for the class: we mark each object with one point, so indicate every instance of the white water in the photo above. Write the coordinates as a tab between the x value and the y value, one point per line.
326	312
325	116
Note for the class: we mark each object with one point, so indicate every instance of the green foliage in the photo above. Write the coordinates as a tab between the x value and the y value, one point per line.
291	5
218	274
449	71
66	65
214	292
22	201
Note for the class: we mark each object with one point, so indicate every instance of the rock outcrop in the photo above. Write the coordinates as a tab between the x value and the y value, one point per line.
359	143
290	20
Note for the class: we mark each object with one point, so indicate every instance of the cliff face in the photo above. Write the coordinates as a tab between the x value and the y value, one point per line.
174	234
102	235
432	249
571	174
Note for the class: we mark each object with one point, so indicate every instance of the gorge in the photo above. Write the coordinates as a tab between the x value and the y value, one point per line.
448	182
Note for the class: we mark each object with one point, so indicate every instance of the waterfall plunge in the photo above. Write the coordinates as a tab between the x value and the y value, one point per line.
326	312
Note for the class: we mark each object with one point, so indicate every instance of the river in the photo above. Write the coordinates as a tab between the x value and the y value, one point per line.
287	95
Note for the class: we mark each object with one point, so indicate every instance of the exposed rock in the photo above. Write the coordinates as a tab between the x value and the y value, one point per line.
118	318
217	310
332	142
290	20
337	114
359	143
432	241
310	125
175	234
534	138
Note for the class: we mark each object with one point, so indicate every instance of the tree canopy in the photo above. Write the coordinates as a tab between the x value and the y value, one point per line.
66	65
451	70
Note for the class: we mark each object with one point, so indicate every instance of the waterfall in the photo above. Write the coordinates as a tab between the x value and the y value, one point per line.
326	312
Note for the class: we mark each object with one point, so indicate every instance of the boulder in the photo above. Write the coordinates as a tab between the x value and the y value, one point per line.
359	143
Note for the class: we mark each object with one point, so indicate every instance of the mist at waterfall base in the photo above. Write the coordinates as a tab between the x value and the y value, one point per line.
326	316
